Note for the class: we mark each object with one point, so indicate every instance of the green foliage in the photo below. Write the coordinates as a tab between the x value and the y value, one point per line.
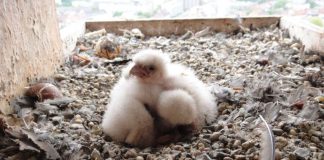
312	3
144	14
66	3
149	14
278	6
317	21
117	14
257	1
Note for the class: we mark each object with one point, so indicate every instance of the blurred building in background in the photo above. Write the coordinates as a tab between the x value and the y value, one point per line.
78	10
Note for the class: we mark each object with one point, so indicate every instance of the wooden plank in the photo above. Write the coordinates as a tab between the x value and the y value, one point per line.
310	35
180	26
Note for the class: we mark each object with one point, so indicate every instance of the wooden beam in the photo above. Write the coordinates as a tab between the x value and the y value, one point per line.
180	26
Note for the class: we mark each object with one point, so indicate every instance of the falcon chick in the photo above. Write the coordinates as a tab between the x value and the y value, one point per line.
128	116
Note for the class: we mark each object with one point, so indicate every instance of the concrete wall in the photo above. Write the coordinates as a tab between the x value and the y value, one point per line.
30	45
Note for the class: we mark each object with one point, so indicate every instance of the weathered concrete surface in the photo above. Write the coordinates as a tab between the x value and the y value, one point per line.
310	35
30	46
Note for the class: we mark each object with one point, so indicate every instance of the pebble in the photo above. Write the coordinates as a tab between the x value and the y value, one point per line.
237	143
76	126
178	147
220	58
315	139
203	157
281	142
316	133
139	158
95	155
277	131
60	77
293	132
223	139
215	136
248	144
302	153
278	155
239	157
131	153
218	155
57	119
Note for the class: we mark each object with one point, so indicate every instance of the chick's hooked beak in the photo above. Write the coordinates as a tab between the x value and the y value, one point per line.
140	71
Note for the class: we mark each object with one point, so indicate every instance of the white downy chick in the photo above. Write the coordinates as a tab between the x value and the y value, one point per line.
177	107
127	117
195	101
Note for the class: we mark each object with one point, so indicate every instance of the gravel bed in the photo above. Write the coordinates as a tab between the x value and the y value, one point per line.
259	72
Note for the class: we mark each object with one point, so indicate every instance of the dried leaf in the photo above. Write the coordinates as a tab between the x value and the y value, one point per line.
24	146
51	153
310	111
271	111
106	48
24	155
223	94
60	102
45	108
298	104
79	60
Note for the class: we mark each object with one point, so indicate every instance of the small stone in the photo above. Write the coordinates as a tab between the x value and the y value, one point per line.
319	99
281	142
315	139
147	150
316	133
131	153
278	155
313	148
319	155
178	147
139	158
77	116
277	131
302	153
215	146
239	157
203	157
218	154
79	120
223	139
76	126
57	119
296	45
248	144
293	132
195	152
215	136
95	155
200	146
150	157
237	144
91	124
60	77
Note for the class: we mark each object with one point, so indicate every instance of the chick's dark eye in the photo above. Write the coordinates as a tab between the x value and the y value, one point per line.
151	68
